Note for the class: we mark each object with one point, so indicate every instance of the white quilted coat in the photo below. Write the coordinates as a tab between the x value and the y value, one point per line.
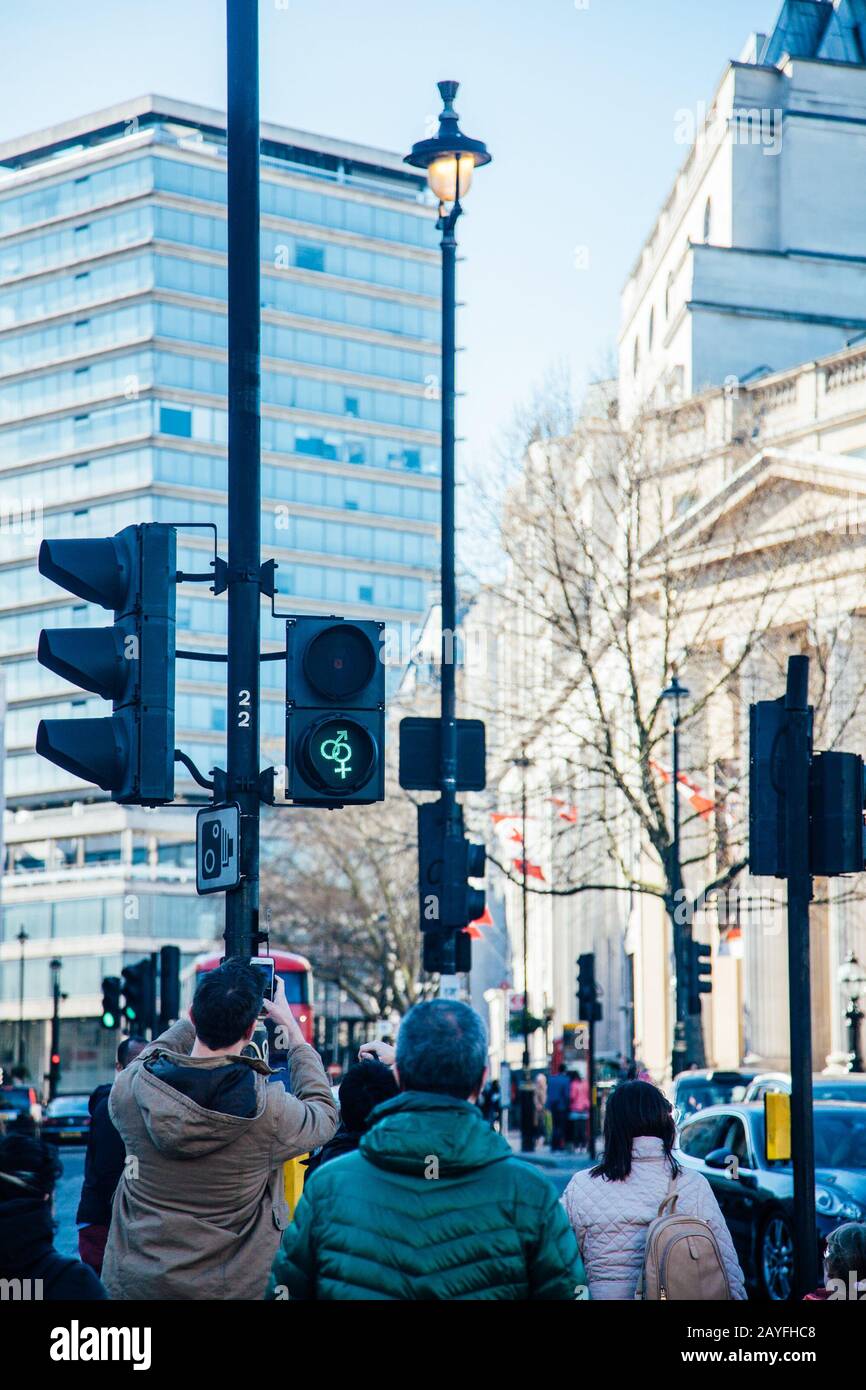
610	1219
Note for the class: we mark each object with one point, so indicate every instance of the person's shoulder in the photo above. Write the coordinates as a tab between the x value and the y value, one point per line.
528	1182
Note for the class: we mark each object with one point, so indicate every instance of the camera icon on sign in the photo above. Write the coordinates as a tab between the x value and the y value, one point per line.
217	849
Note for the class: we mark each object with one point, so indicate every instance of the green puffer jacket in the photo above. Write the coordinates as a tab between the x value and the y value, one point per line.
432	1206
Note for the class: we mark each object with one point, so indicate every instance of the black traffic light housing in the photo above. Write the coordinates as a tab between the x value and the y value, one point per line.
447	901
169	986
130	753
139	995
335	711
588	1004
111	1002
837	797
700	974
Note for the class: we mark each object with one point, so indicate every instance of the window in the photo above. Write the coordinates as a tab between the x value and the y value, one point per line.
708	219
651	329
636	358
309	257
735	1142
699	1139
353	406
172	421
365	593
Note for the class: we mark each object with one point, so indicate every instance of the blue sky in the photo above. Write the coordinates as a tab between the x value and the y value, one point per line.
576	102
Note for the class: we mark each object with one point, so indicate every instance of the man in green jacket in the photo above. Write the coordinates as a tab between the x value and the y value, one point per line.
433	1205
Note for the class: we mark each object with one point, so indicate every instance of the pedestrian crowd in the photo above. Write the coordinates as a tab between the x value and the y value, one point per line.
411	1190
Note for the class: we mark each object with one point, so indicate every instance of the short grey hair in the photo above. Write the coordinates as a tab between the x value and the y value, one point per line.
442	1047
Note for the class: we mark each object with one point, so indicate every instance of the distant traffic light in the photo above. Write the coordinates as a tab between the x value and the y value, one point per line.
138	995
588	1005
111	1002
130	753
335	711
447	901
700	974
169	986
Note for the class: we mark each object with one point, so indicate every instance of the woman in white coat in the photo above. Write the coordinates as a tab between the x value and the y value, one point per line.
611	1205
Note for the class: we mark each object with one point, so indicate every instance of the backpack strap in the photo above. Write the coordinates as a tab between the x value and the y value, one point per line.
668	1204
667	1207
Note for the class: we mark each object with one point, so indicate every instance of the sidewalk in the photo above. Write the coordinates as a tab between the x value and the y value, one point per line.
543	1158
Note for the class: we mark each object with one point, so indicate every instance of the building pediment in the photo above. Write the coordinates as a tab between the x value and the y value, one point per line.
778	495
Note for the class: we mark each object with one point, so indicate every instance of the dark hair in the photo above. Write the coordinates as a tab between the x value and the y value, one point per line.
127	1045
364	1087
846	1251
226	1002
634	1108
28	1168
442	1048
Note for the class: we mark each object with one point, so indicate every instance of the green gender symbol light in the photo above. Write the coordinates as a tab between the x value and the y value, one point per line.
339	754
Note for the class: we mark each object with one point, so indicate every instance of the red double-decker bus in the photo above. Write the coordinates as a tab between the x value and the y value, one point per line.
297	976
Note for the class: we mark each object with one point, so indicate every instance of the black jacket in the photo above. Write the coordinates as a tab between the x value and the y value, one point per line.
103	1164
27	1252
345	1141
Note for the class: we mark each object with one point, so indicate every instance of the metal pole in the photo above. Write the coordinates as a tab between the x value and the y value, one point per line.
798	735
448	688
854	1017
527	1097
21	939
680	1058
244	465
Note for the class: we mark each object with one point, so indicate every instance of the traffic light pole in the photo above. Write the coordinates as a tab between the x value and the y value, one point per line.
797	733
244	467
54	1056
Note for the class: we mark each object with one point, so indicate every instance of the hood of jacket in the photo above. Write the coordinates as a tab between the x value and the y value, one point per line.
192	1106
416	1126
26	1233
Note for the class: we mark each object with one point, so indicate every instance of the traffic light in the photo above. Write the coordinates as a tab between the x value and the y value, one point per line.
169	985
588	1005
836	799
447	901
130	753
138	995
111	1002
837	795
700	974
335	711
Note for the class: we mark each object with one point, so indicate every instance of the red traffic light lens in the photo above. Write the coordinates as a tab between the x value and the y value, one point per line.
340	661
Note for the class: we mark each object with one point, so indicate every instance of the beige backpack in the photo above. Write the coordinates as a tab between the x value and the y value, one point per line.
682	1259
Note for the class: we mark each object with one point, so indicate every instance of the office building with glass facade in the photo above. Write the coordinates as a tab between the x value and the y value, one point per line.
113	411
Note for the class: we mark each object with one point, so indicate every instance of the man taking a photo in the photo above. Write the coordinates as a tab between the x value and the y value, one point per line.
200	1206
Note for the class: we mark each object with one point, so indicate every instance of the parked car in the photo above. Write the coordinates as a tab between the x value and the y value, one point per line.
67	1120
727	1144
695	1090
19	1100
850	1087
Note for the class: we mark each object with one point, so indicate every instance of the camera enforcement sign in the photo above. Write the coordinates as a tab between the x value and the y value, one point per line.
217	848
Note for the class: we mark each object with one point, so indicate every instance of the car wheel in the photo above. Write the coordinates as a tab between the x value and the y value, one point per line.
776	1259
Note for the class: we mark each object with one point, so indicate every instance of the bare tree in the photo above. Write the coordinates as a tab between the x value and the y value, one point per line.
342	888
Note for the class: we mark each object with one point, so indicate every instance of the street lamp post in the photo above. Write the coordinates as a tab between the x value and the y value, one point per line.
852	978
22	938
450	159
527	1094
680	1059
